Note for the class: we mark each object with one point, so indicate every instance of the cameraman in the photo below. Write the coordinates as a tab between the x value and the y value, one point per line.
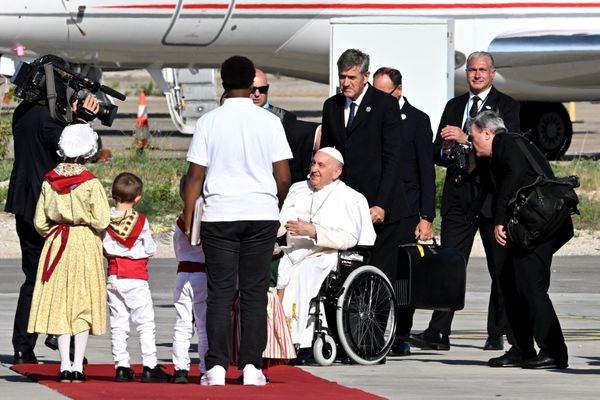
35	136
466	200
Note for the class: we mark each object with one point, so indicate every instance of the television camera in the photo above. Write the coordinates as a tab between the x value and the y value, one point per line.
45	80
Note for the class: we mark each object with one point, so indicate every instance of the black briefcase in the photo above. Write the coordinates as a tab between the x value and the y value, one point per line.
430	277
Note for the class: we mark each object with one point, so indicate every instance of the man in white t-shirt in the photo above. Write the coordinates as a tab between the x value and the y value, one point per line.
239	163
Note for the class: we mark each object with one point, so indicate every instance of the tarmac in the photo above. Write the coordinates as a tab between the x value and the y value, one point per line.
461	373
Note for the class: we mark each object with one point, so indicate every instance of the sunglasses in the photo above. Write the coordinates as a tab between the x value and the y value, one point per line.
261	89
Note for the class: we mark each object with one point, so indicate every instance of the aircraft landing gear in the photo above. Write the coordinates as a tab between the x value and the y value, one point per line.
547	125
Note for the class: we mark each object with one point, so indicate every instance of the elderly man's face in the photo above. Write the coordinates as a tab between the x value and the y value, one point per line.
352	82
482	141
480	74
259	84
324	170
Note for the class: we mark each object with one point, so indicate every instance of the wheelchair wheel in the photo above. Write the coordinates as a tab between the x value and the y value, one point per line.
366	316
324	350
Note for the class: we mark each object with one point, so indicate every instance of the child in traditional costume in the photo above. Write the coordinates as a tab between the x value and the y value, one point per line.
128	245
69	298
189	297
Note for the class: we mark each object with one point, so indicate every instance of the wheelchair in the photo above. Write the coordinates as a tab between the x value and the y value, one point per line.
359	304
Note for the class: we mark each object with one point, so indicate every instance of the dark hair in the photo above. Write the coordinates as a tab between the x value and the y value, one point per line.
394	75
126	187
237	72
351	58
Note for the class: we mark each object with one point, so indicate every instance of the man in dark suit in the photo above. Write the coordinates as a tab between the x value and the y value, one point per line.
466	199
418	175
303	136
365	125
526	275
36	137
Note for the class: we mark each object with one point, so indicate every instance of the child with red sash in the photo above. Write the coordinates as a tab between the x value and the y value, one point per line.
69	298
128	245
189	297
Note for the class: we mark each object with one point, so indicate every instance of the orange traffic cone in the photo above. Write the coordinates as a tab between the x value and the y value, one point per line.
142	128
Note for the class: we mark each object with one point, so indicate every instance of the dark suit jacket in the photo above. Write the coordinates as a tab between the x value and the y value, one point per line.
36	138
371	148
473	195
417	165
301	138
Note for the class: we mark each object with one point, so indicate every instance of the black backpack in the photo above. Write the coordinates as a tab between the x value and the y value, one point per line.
539	209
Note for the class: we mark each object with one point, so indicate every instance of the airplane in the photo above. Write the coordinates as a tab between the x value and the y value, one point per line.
546	51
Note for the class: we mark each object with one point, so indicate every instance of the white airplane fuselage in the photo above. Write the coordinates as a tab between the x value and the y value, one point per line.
560	63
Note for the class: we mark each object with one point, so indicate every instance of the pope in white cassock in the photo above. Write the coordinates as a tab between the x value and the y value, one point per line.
321	216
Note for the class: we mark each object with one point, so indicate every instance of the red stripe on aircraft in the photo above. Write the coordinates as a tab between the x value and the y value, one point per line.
360	6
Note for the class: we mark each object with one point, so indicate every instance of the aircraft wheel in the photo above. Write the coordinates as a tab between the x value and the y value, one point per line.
548	125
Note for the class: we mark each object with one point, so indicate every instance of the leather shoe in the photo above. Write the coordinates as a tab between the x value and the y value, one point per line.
430	340
124	374
543	361
51	342
512	358
25	357
400	348
494	343
64	376
78	377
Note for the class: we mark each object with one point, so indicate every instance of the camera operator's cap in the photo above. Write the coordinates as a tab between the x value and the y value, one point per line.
78	140
333	152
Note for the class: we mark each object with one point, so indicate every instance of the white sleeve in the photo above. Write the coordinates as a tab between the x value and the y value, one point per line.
147	241
198	150
281	148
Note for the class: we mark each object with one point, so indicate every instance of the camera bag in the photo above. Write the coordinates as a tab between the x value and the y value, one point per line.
539	209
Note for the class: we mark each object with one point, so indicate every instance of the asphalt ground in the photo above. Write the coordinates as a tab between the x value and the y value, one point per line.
461	373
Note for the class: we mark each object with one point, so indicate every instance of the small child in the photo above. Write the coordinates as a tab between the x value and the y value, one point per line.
189	297
69	298
128	245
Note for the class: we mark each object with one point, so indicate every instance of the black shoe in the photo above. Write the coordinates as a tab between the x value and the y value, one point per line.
512	358
64	376
78	377
430	340
543	361
155	375
494	343
124	374
51	342
303	356
180	376
400	348
25	357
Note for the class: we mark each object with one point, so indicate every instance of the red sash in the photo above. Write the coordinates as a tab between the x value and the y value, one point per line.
64	184
124	267
128	240
63	231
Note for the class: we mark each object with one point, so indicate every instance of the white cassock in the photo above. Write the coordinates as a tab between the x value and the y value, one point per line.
342	220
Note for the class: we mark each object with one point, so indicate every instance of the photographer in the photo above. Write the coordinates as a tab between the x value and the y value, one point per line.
526	275
466	201
36	137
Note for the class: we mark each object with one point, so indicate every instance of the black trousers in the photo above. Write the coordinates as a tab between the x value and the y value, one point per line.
238	254
31	248
458	232
385	256
525	280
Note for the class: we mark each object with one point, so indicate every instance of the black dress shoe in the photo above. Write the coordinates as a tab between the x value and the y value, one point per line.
124	374
51	342
430	340
400	348
512	358
64	376
78	377
494	343
25	357
155	375
181	376
543	361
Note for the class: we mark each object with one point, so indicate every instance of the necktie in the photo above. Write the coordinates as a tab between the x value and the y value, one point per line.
351	116
474	108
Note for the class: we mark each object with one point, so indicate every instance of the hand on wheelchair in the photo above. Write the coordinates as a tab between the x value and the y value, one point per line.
301	228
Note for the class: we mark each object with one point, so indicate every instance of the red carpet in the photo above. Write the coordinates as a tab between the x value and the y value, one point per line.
286	382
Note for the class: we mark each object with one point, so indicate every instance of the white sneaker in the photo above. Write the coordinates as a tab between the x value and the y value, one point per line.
253	376
214	377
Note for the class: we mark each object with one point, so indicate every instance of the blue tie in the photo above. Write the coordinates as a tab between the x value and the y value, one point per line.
351	116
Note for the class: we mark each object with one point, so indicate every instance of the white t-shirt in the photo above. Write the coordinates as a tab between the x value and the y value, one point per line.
238	144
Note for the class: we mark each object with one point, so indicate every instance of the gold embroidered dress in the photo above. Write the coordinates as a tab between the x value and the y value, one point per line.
71	298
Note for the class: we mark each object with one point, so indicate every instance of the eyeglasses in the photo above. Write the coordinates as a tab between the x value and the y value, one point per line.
261	89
